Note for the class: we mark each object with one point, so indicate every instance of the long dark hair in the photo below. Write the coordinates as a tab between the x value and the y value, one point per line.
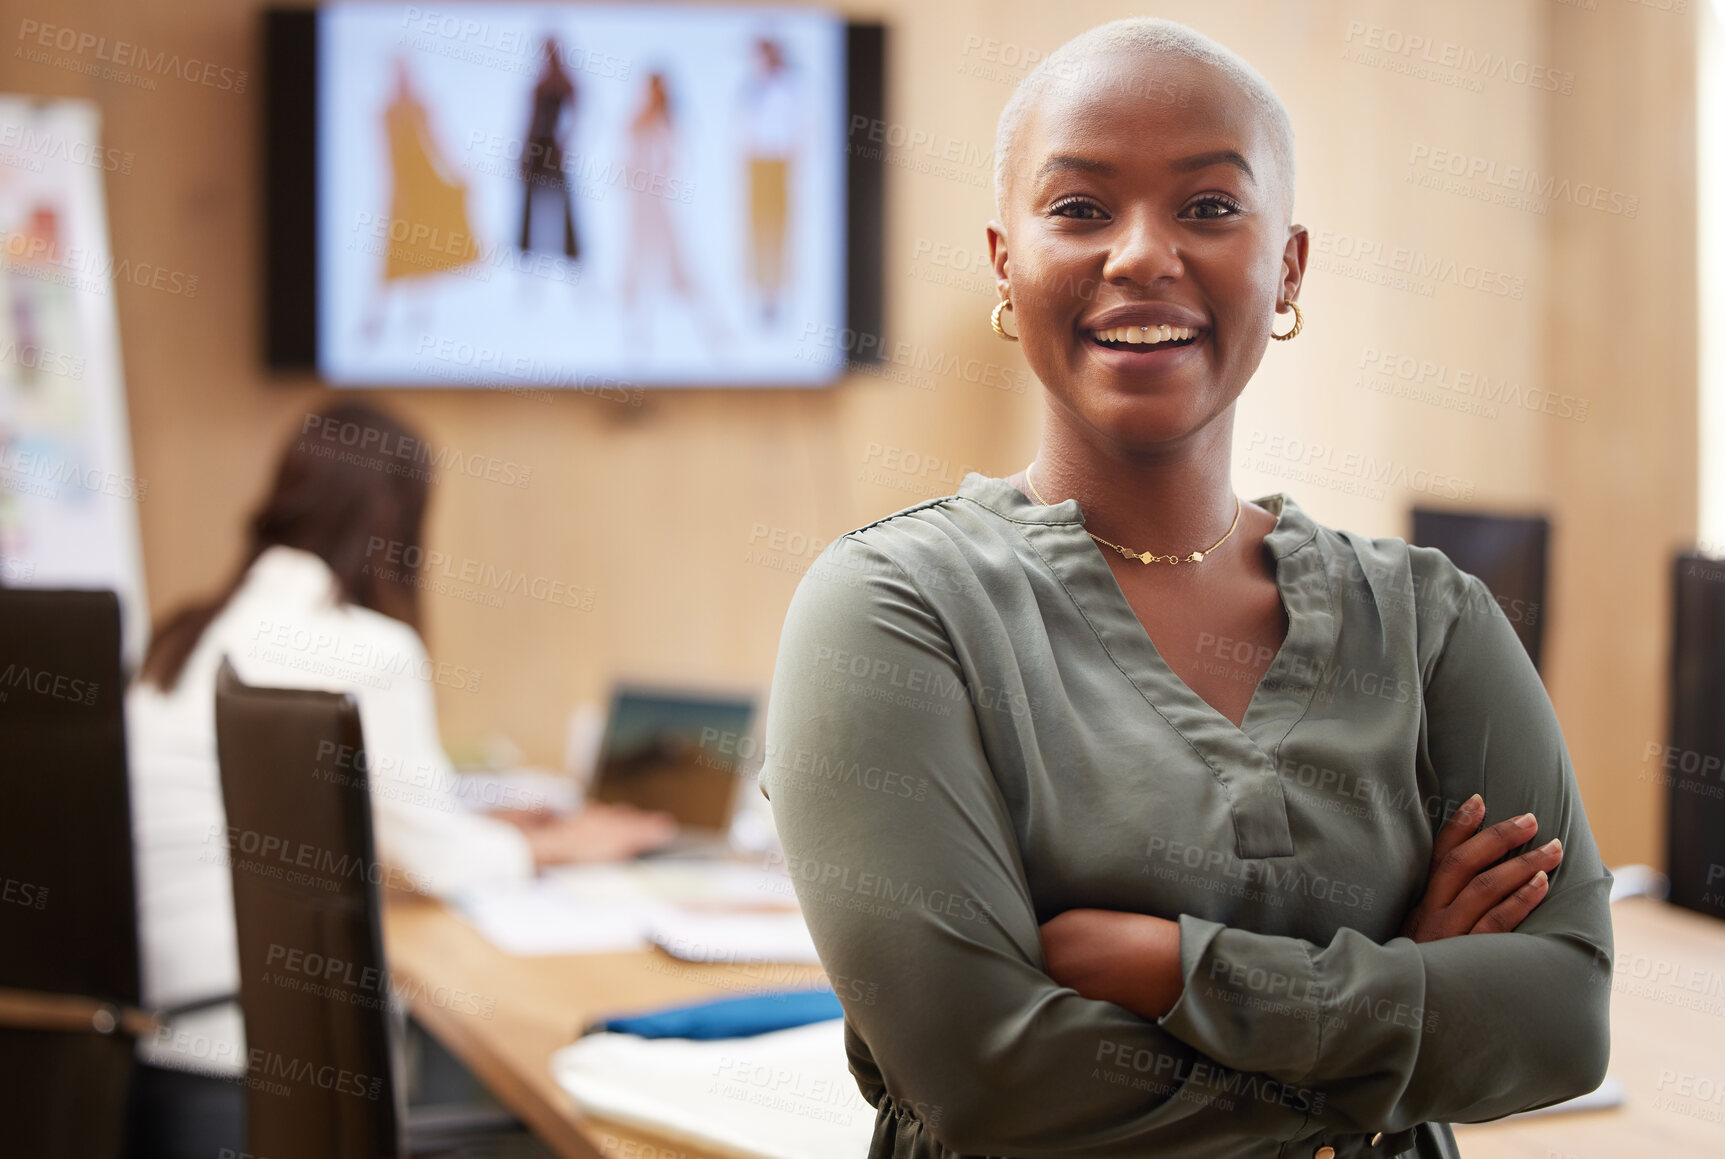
348	478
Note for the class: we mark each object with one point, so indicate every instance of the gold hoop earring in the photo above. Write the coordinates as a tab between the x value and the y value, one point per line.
1298	322
994	320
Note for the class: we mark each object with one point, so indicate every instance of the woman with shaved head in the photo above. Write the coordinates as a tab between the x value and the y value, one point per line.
1138	819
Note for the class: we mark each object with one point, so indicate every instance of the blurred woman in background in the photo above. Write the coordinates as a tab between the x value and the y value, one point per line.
322	601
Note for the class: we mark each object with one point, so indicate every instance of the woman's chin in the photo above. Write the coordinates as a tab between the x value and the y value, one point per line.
1164	387
1139	420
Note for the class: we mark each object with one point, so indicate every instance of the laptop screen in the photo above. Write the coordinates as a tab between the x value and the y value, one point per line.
674	750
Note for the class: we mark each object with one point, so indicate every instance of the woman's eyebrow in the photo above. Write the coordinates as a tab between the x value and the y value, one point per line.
1190	164
1214	157
1071	161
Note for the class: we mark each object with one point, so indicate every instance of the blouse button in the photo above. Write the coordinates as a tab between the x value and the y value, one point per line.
1324	1153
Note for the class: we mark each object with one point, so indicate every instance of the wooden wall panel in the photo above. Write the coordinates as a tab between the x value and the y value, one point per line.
684	514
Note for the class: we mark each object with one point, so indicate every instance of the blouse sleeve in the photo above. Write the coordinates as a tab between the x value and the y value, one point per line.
904	860
421	827
1463	1029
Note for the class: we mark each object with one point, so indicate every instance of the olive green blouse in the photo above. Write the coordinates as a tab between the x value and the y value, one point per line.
970	732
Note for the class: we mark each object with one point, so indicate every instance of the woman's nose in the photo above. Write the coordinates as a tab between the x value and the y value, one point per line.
1143	250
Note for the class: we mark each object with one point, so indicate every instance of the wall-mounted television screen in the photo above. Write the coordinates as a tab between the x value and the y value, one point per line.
567	195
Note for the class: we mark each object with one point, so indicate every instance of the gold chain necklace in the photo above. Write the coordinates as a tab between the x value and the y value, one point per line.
1145	556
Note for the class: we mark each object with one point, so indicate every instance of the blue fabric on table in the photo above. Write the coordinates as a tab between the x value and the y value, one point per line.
730	1017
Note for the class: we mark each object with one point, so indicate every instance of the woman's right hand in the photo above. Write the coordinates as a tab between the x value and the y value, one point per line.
1467	891
599	833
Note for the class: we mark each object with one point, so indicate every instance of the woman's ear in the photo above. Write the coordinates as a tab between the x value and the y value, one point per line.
997	257
1294	262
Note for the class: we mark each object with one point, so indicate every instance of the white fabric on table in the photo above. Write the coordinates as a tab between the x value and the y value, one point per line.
787	1094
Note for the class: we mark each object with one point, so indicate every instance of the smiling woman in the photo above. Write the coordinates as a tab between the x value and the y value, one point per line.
1220	883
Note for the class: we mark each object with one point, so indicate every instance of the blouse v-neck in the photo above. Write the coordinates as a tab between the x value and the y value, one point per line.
1244	756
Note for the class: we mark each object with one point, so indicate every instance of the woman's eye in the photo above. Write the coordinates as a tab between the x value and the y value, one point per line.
1078	208
1213	208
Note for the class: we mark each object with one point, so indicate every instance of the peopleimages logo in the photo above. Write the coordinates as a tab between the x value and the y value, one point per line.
1313	461
23	142
80	268
345	981
410	563
55	685
41	472
1522	179
1408	376
23	893
125	55
363	439
463	38
1417	264
900	896
864	346
271	853
1466	62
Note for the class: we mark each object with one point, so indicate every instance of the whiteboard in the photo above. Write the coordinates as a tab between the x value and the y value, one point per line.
68	497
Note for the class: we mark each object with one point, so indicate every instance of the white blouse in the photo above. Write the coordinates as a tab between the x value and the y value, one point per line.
285	627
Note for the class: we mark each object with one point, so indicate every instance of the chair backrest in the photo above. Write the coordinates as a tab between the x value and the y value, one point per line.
68	910
320	1035
1692	764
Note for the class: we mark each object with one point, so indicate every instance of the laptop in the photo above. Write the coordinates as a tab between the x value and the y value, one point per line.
676	750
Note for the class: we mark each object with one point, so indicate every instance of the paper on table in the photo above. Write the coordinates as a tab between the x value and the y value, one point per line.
735	937
717	1093
689	882
600	909
532	918
533	790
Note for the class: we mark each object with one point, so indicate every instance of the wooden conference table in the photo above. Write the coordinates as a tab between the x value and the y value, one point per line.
1667	1023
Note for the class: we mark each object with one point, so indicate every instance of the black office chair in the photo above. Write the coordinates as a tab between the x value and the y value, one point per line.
323	1038
1694	758
69	988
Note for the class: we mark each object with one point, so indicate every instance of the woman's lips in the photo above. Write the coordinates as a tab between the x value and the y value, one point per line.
1146	357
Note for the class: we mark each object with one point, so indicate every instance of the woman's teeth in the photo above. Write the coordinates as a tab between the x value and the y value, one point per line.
1144	335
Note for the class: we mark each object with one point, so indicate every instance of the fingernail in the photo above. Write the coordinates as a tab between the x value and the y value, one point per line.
1553	844
1472	803
1526	821
1540	878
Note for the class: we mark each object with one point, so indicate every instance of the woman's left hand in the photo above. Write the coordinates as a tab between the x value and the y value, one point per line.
1131	960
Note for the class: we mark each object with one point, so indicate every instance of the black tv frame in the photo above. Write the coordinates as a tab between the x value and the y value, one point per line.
289	244
290	188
